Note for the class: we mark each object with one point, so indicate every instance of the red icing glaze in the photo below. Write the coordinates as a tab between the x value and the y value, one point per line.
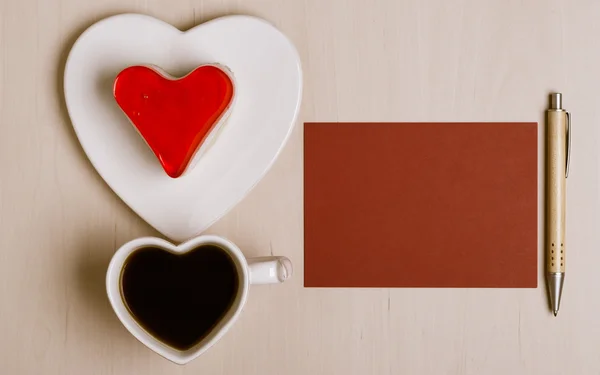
174	116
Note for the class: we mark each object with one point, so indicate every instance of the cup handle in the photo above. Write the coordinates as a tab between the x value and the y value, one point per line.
269	270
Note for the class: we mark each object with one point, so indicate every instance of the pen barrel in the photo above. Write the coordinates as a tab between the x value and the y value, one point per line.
556	156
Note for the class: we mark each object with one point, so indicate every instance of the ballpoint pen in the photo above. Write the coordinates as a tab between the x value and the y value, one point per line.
558	149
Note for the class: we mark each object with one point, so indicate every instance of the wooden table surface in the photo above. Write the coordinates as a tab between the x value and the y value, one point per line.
406	60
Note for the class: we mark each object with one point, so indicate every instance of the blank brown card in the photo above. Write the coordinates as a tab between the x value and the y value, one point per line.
420	205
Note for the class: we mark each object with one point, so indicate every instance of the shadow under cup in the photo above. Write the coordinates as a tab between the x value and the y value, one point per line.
179	299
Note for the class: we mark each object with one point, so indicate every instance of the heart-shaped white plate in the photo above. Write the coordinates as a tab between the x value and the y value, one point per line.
268	78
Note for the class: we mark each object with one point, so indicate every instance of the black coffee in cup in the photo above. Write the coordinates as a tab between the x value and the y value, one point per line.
179	298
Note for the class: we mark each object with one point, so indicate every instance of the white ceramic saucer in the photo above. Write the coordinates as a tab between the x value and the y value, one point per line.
269	82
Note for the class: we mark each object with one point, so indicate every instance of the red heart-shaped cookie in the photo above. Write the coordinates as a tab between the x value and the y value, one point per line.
176	117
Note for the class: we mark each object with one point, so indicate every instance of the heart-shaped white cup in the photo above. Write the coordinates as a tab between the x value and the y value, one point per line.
261	270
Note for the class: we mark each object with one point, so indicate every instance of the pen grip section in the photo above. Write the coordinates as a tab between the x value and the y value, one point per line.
556	154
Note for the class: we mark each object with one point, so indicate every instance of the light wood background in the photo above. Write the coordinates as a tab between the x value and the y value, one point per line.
395	60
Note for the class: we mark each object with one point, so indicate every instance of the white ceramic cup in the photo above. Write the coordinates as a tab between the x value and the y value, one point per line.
263	270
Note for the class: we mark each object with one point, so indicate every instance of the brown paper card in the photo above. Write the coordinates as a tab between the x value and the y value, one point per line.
420	205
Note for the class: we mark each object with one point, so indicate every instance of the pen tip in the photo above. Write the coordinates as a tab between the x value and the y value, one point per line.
555	312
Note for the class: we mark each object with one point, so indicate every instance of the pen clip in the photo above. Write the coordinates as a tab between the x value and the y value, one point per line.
568	146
